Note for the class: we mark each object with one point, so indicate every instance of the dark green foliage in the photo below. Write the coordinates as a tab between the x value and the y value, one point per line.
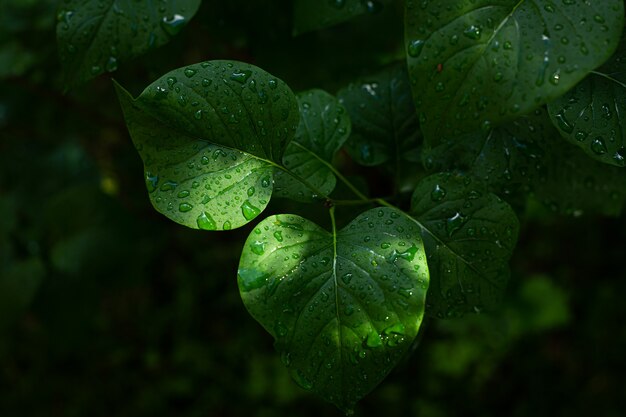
95	36
403	165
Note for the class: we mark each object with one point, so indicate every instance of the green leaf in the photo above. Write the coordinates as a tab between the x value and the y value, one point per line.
312	15
480	63
19	282
95	36
323	129
529	156
591	115
204	133
385	125
509	158
344	307
469	235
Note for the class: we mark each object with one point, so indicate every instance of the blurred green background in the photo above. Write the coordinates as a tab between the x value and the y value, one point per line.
109	309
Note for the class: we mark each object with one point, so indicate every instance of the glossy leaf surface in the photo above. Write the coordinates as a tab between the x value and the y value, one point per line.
311	15
180	129
469	235
344	307
384	121
591	115
323	129
477	63
95	36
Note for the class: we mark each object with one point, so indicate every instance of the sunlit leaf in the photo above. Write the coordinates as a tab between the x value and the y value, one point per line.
208	135
477	63
344	307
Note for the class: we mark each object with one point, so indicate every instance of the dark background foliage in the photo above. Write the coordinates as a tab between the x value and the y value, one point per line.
107	308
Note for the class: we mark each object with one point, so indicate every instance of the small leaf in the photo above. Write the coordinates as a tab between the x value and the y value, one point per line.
204	161
312	15
95	36
591	115
385	125
344	307
469	235
478	64
323	129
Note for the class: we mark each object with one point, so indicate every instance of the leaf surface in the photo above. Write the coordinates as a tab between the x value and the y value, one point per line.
384	121
204	133
344	307
478	63
95	36
529	156
312	15
591	115
323	129
469	235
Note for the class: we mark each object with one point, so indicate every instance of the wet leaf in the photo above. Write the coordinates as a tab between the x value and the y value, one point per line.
528	156
469	235
591	114
478	63
385	126
344	307
323	129
208	135
96	36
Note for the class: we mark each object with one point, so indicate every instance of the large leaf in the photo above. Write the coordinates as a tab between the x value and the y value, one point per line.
384	121
344	306
323	129
204	133
469	235
315	14
482	62
591	115
94	36
529	156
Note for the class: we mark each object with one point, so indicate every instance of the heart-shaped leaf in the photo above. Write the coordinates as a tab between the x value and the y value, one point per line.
384	121
311	15
345	306
469	235
203	133
94	36
591	115
479	63
323	129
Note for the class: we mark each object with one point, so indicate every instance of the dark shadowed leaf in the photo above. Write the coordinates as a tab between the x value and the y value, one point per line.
478	63
344	307
529	156
323	129
317	14
384	121
591	115
469	235
95	36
